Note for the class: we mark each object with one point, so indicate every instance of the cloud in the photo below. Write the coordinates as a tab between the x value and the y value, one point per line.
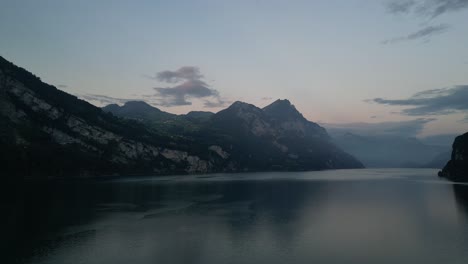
217	102
104	99
179	94
432	102
425	32
183	73
266	98
187	85
401	6
63	86
426	8
409	128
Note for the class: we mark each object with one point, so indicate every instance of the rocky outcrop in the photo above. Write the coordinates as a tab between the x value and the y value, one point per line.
457	168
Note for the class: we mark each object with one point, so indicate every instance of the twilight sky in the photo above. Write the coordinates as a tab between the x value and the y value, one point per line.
339	61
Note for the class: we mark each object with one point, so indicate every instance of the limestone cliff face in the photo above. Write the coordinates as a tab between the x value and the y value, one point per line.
52	133
457	168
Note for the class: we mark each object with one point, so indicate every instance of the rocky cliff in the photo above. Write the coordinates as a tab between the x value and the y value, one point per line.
457	168
278	137
45	132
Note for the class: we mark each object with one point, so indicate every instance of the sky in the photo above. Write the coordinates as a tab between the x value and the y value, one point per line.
338	61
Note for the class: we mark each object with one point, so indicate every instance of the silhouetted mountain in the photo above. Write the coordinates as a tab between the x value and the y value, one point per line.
137	110
283	110
439	161
285	115
439	140
165	123
198	116
457	168
47	132
390	151
277	137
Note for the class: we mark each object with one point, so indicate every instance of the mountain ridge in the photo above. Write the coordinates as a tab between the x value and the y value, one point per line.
49	133
277	131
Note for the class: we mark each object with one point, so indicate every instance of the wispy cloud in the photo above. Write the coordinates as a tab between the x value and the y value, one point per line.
187	84
62	86
400	6
216	102
426	8
102	100
425	32
432	102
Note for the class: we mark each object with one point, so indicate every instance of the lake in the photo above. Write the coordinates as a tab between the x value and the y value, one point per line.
342	216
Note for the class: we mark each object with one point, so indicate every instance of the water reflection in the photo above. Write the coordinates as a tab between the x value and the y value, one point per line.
461	197
390	220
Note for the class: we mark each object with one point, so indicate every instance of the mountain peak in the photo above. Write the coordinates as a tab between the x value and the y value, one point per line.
237	104
132	106
136	109
284	102
282	110
139	104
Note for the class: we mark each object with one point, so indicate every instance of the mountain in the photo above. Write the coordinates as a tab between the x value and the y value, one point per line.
137	110
385	151
277	137
439	140
45	132
165	123
198	116
457	168
438	161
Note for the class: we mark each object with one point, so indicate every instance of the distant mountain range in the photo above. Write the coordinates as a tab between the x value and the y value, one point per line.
386	151
45	132
276	137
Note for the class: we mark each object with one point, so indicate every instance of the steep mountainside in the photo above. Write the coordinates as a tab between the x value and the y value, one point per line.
457	168
45	132
277	137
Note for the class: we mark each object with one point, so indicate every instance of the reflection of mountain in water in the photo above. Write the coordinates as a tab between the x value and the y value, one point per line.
48	210
461	197
252	218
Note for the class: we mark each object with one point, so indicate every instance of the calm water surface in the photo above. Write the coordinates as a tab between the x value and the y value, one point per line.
344	216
